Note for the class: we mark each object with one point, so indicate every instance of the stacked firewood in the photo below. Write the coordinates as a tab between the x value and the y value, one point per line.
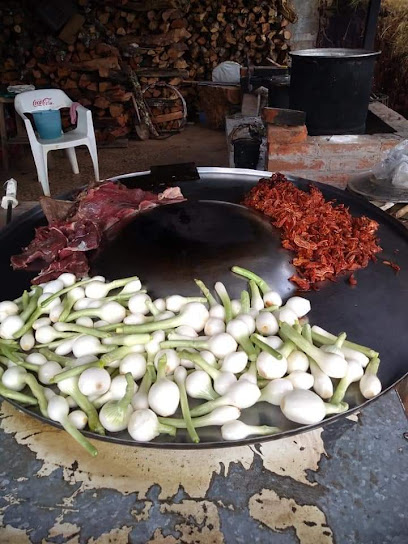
177	41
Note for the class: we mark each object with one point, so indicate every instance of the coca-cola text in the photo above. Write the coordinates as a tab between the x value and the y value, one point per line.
42	102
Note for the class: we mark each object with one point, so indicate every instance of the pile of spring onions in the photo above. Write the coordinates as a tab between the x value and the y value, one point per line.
105	356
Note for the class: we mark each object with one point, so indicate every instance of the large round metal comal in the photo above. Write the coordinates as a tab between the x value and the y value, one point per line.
204	236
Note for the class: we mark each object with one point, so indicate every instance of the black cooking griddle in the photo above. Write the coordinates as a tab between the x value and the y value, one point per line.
170	246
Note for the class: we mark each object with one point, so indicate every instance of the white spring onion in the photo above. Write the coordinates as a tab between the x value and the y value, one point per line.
115	414
301	380
286	315
16	378
78	418
160	304
99	289
7	308
133	286
354	373
47	371
335	366
193	314
297	360
217	311
185	362
209	357
370	385
135	363
69	386
239	331
58	410
67	279
238	430
135	319
86	303
180	375
249	322
271	363
164	395
116	391
217	417
270	297
87	322
222	380
256	299
144	425
321	336
66	346
185	330
76	294
269	367
15	395
47	334
36	359
266	324
11	325
112	312
299	305
275	390
164	316
139	399
235	362
251	374
352	354
235	307
336	347
174	303
304	406
220	345
137	304
241	395
222	292
199	386
41	322
322	384
94	381
86	345
214	326
273	341
53	287
172	360
27	341
56	312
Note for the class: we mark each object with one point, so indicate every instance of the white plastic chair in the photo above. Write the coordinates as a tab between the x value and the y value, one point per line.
55	99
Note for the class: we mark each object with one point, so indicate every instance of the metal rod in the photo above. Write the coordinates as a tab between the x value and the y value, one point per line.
371	24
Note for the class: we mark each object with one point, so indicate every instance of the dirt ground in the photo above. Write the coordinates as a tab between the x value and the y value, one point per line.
196	144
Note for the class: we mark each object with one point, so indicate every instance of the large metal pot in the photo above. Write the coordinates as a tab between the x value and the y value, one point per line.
333	87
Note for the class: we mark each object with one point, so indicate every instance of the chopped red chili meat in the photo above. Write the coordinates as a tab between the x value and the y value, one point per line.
352	280
394	266
326	239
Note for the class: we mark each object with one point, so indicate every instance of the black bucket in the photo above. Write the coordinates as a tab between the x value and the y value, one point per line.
246	152
333	87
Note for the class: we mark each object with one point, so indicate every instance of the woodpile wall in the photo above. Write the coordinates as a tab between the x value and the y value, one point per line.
178	41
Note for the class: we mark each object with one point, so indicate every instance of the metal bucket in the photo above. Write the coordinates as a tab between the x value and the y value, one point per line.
246	152
333	87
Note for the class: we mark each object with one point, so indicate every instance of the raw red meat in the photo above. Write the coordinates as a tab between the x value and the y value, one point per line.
98	213
76	263
326	239
47	243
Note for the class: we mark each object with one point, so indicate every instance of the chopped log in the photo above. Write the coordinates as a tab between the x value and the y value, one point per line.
106	63
167	117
